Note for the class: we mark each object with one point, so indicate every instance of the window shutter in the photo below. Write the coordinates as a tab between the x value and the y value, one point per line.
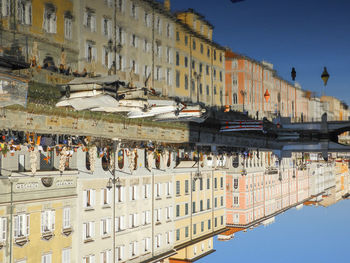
27	224
148	213
123	63
110	59
94	54
148	190
144	191
130	249
130	221
137	222
85	196
122	222
130	193
84	231
93	197
92	225
85	18
3	228
16	227
136	244
42	222
109	228
53	214
102	190
109	28
123	35
136	192
54	23
93	23
122	193
171	236
102	26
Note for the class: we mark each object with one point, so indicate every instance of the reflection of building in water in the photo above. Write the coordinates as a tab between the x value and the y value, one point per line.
39	211
194	252
260	187
199	203
168	206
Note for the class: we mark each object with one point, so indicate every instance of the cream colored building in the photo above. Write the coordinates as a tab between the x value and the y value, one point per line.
141	31
40	213
143	210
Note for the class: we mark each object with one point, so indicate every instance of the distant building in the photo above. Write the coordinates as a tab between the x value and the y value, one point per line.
199	62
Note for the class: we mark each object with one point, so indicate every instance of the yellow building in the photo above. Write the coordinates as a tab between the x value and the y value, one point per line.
194	252
38	211
199	205
43	30
199	62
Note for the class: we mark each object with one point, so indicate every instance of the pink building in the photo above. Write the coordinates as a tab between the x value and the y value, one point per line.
260	188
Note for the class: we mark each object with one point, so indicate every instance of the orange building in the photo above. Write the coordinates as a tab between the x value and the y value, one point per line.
254	87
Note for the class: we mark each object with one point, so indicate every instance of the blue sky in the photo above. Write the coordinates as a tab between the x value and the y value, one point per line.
305	34
312	234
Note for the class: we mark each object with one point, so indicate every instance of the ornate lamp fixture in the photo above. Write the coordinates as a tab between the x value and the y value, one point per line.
267	95
325	76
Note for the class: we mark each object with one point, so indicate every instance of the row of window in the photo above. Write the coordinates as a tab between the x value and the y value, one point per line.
47	257
21	225
160	190
201	47
201	206
200	66
106	23
24	16
202	227
133	221
136	248
200	185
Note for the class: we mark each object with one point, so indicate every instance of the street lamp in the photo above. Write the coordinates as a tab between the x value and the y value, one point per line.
293	74
324	77
116	183
243	93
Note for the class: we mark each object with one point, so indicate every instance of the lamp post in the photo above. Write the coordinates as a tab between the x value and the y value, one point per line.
114	182
293	74
198	77
324	77
243	93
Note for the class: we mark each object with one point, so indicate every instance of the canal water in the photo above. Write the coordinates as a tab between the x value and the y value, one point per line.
311	234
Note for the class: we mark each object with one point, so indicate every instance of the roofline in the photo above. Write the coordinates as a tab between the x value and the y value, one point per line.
202	17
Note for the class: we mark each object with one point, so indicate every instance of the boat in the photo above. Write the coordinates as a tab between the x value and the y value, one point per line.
188	114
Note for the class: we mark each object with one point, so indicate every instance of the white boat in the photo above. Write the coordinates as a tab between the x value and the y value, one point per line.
188	114
84	103
153	111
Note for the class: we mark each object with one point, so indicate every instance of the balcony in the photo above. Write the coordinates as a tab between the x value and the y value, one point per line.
21	240
67	231
47	234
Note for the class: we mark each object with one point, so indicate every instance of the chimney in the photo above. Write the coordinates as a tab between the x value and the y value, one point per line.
167	5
